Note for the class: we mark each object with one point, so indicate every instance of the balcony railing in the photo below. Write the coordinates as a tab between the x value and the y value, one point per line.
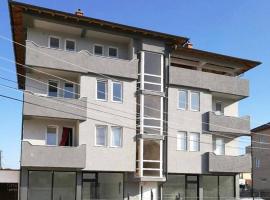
82	61
228	124
53	156
226	163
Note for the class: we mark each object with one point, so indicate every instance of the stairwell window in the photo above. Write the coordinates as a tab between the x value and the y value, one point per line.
117	92
182	141
98	50
113	52
70	45
183	99
101	135
257	163
52	135
52	88
116	137
195	101
102	90
194	142
54	42
69	90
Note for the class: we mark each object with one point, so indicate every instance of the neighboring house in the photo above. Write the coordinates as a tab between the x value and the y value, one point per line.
9	184
261	154
118	112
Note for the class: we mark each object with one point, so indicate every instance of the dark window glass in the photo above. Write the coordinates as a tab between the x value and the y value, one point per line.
54	42
117	91
102	90
98	50
69	90
53	91
113	52
70	45
64	185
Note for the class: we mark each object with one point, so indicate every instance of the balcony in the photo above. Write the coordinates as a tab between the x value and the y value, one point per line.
82	61
227	124
53	156
55	107
232	164
235	87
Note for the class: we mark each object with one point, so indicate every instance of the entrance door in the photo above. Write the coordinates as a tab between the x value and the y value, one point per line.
8	191
192	187
149	191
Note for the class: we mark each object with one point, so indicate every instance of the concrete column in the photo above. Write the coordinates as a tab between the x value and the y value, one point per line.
23	184
237	190
79	186
201	187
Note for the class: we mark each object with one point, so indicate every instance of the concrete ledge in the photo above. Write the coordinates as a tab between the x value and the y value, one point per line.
55	107
82	61
235	86
232	164
53	156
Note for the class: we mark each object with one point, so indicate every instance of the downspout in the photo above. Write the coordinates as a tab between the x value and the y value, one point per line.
252	167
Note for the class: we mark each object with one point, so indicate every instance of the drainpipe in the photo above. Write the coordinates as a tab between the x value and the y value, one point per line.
252	168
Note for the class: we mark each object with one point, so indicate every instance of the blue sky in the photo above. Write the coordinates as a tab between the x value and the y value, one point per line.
239	28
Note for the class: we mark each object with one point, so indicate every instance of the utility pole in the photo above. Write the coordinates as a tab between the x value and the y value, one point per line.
1	160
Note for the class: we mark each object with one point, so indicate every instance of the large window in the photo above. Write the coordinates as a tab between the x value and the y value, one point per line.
54	42
210	187
183	99
195	101
174	187
102	88
117	92
69	91
226	187
194	142
101	135
219	148
116	136
49	185
53	88
52	135
113	52
70	45
182	141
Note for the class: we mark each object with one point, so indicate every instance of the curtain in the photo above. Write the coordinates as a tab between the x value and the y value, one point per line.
64	136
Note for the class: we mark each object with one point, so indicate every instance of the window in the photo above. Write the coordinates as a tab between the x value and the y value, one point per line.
117	92
53	88
54	42
195	101
69	90
219	106
219	146
102	90
51	137
194	142
116	137
98	49
257	163
113	52
182	141
101	135
70	45
183	99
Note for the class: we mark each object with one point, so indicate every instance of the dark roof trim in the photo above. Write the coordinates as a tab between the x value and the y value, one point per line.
262	127
125	28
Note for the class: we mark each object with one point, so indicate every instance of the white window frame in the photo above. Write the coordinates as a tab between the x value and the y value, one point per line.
57	135
112	47
190	101
49	41
58	85
106	93
112	95
72	40
187	102
99	45
178	138
121	138
73	92
106	135
199	138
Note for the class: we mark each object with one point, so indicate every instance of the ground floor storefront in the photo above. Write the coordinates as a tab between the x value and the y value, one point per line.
84	185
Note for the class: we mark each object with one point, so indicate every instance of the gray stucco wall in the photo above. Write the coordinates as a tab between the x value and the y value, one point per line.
210	81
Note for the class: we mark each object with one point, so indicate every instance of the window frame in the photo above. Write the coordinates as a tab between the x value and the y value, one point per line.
72	40
49	41
186	140
257	163
223	146
99	45
198	142
112	47
121	137
106	88
57	135
190	100
106	135
73	92
112	90
48	86
187	99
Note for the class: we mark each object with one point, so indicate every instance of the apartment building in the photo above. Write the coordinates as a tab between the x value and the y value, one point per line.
118	112
260	154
